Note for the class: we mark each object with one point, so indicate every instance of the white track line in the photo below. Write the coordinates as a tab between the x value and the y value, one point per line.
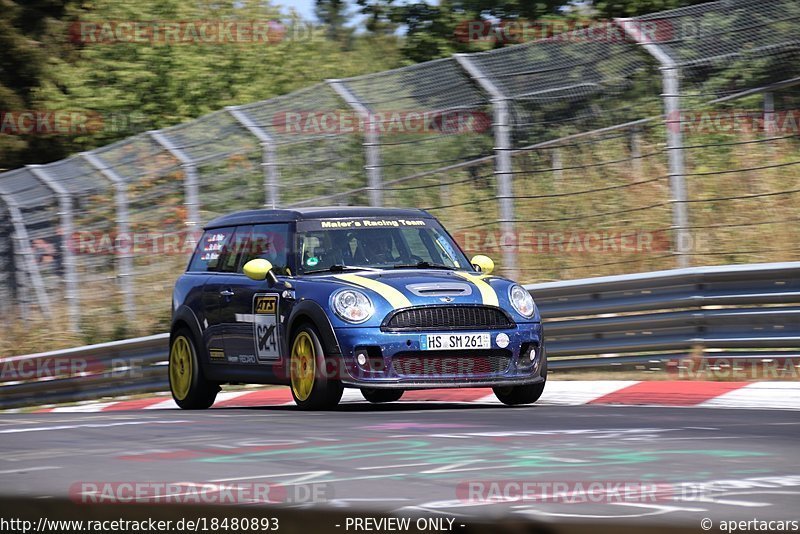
29	469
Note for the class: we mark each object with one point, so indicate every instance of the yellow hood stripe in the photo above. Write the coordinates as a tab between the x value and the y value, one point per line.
395	297
487	292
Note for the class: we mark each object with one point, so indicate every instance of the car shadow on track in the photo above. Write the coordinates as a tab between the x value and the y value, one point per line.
388	407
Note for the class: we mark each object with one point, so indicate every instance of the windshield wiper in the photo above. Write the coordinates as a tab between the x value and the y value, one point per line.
340	269
424	265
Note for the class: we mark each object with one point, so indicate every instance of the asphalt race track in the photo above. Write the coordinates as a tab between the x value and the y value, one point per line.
420	457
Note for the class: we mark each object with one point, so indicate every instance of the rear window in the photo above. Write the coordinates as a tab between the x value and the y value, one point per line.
209	250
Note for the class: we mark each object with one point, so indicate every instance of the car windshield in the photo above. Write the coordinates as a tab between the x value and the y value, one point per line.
327	245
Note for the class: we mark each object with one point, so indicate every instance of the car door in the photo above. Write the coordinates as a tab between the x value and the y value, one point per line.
207	259
256	334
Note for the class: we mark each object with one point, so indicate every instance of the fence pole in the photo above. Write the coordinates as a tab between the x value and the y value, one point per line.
558	165
769	113
271	178
67	230
635	144
371	141
28	261
125	263
503	165
190	181
670	72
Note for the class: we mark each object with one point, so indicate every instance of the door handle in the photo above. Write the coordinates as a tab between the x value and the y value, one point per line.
226	293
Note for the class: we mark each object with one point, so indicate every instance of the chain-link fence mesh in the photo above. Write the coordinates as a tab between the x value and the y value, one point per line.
738	63
577	153
316	151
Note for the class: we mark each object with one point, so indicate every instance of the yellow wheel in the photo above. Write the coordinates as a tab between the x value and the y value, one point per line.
189	387
304	365
312	387
180	367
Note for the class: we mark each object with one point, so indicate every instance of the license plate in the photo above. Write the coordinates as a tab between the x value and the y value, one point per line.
455	341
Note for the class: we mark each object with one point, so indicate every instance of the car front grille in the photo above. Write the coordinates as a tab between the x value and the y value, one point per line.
447	318
433	364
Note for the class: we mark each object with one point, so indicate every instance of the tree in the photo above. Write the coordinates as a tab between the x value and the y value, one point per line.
28	45
133	86
626	8
333	14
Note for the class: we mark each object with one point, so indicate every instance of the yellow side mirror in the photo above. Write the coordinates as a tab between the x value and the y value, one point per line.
484	264
257	269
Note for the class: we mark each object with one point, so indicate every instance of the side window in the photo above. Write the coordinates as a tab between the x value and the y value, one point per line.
270	242
207	255
235	247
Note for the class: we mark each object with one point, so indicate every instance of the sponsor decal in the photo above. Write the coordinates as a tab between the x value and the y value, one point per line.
265	327
502	340
362	222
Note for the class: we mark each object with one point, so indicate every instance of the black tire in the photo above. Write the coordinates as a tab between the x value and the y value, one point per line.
516	395
325	392
200	393
377	396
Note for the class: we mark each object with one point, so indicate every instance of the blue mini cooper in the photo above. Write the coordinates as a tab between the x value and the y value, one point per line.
325	298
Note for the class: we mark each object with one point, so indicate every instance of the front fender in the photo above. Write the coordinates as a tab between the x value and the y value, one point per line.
308	310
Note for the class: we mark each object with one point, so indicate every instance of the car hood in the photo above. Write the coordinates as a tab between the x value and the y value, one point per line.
392	290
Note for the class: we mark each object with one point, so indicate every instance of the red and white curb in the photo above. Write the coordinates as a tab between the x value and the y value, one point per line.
763	395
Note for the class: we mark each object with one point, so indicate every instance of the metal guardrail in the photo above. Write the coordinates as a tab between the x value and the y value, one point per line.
591	323
112	369
728	307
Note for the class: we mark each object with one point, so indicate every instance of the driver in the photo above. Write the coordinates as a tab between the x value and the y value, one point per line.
377	247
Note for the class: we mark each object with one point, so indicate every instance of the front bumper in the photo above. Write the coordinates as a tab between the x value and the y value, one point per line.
395	359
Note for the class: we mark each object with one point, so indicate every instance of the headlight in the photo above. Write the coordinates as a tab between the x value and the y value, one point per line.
521	300
352	305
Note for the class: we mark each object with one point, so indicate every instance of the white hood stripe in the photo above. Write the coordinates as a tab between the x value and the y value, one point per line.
487	292
395	297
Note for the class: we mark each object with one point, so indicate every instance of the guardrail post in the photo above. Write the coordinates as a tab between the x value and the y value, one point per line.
125	263
65	215
503	164
190	182
672	108
371	141
271	195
